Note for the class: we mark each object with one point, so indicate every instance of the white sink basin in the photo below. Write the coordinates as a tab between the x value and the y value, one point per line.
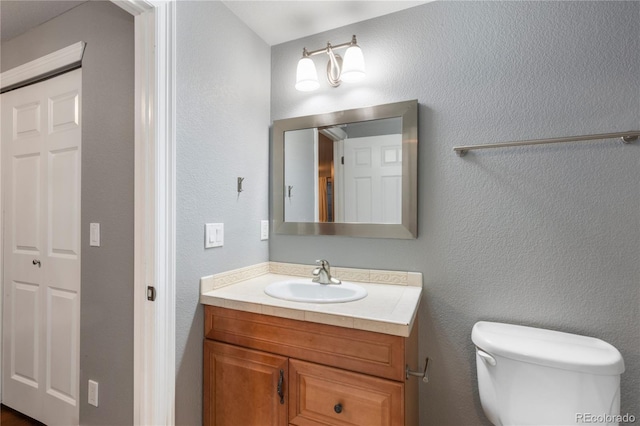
304	290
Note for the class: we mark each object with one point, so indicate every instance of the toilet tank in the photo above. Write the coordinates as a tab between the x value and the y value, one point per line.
532	376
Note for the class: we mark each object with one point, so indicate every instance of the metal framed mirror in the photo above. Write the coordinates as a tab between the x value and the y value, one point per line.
350	173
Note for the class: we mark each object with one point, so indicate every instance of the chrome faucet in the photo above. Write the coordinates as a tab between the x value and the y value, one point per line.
322	274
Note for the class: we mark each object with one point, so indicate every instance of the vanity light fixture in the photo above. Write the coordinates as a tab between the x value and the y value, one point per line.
351	69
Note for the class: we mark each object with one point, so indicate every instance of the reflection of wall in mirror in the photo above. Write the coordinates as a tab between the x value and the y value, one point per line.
301	173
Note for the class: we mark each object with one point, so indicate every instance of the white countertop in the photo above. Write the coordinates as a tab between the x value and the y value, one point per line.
388	308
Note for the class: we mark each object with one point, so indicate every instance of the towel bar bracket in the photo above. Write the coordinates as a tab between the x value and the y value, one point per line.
424	375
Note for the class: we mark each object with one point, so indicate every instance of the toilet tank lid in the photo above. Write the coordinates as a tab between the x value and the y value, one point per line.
546	347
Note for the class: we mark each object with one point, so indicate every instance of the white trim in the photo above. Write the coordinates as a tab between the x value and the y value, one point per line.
60	59
1	259
134	7
164	210
154	240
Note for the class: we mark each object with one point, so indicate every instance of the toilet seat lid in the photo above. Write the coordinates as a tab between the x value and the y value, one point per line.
547	347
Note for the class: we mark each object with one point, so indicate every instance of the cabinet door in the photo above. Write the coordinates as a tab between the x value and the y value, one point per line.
321	395
243	386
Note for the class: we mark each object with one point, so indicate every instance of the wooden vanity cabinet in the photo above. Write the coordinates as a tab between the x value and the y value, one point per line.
266	370
241	386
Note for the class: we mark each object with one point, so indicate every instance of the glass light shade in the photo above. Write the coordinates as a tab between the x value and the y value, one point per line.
353	65
306	75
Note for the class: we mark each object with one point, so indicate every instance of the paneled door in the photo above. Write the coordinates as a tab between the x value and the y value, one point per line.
41	143
373	179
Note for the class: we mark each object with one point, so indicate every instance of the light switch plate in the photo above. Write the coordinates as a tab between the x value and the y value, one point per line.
213	235
94	234
264	230
93	393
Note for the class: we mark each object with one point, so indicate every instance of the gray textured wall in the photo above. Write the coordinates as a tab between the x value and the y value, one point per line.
106	331
544	236
223	83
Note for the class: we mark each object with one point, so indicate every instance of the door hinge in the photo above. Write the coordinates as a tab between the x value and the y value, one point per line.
151	293
342	160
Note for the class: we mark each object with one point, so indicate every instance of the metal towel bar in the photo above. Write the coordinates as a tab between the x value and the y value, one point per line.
627	137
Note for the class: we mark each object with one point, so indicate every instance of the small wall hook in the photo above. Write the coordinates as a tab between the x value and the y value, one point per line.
289	188
240	179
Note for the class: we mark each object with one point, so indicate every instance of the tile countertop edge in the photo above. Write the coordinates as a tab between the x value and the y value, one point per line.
211	282
223	279
403	283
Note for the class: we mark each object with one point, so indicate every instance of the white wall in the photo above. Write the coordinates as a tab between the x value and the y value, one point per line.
223	83
544	236
300	164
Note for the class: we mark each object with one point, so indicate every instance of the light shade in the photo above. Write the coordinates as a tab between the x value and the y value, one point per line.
306	75
353	65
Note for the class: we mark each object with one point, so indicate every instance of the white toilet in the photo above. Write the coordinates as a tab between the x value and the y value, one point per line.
531	376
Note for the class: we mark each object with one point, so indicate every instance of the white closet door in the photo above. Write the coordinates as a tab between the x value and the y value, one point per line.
41	142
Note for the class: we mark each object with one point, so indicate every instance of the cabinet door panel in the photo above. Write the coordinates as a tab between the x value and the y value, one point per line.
321	395
241	386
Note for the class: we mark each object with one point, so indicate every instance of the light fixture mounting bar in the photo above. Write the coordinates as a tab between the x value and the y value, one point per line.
331	47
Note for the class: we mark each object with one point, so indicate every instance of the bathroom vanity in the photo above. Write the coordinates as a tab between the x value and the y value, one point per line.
276	362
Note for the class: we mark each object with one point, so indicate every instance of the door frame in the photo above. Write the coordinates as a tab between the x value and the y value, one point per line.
154	207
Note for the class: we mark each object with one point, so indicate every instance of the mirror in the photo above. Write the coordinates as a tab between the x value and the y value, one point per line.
350	173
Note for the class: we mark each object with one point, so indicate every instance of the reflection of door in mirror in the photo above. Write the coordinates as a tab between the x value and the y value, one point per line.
372	176
325	179
346	173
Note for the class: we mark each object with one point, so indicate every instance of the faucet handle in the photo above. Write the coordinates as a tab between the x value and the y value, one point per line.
323	264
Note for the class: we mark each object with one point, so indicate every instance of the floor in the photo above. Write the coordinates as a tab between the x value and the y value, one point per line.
9	417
